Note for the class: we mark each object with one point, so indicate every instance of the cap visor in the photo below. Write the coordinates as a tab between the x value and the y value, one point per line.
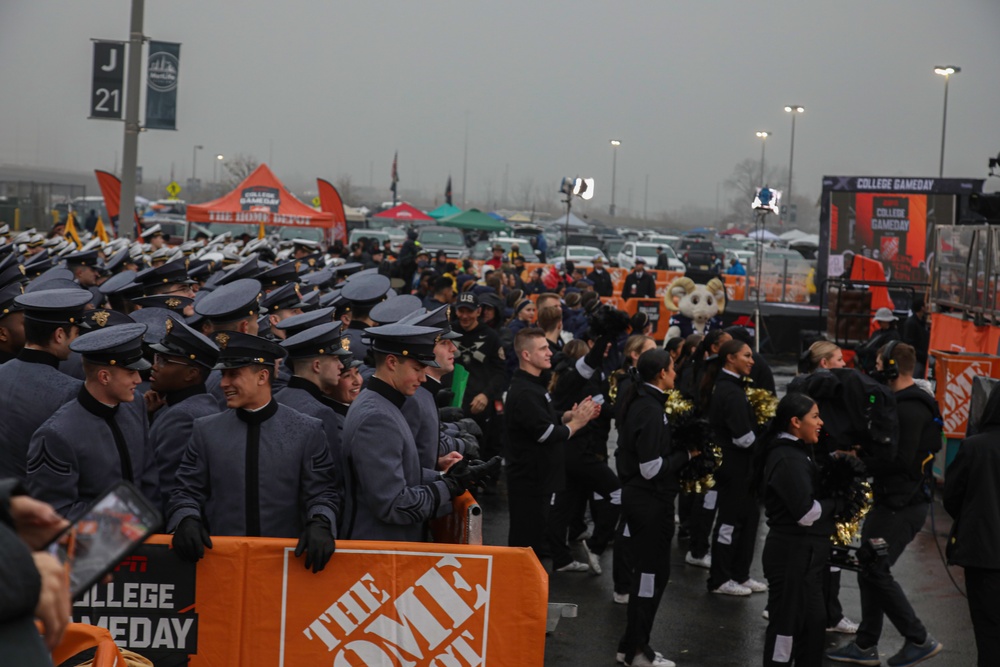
140	365
451	335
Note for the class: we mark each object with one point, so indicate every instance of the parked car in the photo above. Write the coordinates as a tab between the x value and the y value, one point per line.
582	256
449	239
699	255
633	249
370	234
611	249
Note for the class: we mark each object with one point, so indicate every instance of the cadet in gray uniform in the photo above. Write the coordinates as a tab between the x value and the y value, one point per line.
420	410
363	292
31	386
315	359
232	307
390	495
181	365
91	443
258	469
280	304
11	322
341	396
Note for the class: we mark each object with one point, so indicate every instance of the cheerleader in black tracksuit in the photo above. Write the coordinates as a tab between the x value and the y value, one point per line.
648	465
733	426
797	549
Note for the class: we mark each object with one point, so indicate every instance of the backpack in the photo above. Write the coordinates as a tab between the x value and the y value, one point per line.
855	408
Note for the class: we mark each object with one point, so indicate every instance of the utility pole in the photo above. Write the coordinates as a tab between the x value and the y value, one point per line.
130	150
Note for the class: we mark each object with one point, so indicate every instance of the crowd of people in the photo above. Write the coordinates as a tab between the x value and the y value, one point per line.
273	388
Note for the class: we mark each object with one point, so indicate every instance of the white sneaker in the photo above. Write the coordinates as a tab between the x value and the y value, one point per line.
755	586
593	560
766	615
620	598
620	657
732	588
705	561
845	626
573	566
658	661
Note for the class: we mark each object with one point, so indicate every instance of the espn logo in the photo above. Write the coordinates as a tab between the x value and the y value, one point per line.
417	609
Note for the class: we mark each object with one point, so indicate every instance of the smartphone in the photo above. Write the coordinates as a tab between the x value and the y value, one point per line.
599	399
109	531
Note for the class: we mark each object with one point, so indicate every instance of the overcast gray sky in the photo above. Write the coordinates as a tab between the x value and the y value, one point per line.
331	88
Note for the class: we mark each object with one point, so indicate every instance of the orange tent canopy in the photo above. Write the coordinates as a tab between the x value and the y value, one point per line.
260	198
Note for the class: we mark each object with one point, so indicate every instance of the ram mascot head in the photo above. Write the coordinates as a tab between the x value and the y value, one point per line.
696	308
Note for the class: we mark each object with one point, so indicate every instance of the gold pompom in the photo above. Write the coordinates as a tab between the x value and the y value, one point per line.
846	531
677	405
764	404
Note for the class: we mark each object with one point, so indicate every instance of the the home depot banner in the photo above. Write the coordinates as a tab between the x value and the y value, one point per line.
250	602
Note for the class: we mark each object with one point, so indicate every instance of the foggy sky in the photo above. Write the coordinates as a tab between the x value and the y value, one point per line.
331	88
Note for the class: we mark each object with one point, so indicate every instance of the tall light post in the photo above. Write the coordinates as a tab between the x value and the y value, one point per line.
946	71
215	170
194	161
615	143
763	140
795	110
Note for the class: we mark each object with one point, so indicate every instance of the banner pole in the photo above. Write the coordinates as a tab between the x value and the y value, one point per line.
130	151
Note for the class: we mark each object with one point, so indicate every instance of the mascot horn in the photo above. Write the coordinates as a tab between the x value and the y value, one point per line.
695	308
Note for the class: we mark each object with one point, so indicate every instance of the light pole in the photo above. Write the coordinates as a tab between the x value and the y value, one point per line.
615	143
793	109
194	162
946	71
215	169
763	140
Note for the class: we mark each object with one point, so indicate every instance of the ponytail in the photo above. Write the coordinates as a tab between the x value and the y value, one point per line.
650	364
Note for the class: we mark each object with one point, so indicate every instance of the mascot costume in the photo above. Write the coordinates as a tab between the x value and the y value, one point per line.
696	308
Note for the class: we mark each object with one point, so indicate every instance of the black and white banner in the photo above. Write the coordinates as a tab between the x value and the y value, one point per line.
107	90
161	85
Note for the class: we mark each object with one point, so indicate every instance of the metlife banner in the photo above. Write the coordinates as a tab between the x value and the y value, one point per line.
162	70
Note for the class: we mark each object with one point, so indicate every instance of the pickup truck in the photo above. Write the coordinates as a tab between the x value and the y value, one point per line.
700	257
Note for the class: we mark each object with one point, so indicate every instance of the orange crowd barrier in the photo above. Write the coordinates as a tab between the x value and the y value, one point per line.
953	333
251	602
955	373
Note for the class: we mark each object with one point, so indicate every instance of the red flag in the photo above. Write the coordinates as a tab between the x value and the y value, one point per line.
330	202
111	189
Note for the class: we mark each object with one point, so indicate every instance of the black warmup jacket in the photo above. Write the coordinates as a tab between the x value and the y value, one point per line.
536	437
791	483
644	443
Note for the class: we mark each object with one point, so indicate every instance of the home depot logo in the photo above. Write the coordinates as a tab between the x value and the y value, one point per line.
409	609
958	394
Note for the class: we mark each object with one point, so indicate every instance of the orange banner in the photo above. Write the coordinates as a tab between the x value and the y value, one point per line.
952	333
955	373
331	202
251	602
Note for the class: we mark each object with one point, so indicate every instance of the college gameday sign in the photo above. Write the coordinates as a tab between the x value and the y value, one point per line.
251	602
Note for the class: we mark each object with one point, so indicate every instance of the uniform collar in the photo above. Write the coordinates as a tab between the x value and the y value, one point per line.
381	388
296	382
259	416
338	407
38	357
94	406
540	380
433	385
175	397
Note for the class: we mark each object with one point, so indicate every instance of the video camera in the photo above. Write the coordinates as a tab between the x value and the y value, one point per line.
607	321
861	558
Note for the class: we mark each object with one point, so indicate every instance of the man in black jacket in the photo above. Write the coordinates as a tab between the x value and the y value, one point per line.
536	441
600	277
972	498
639	284
915	333
481	354
902	492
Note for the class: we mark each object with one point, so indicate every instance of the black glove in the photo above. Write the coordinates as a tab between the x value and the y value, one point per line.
471	445
317	542
190	540
469	425
464	475
444	398
451	414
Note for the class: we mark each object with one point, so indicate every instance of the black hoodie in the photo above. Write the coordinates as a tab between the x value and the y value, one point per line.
972	495
902	480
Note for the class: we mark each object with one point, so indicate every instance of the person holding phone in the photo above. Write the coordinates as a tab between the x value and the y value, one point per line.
35	584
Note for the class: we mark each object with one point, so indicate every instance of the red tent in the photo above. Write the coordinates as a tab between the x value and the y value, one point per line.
260	198
404	213
733	231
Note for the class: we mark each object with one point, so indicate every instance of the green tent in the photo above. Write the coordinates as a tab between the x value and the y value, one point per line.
444	211
474	219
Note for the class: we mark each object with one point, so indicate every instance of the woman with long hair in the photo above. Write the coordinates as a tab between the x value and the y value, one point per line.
697	510
824	356
734	429
797	549
576	376
647	464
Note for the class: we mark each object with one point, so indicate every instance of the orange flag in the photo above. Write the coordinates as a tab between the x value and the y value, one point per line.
100	232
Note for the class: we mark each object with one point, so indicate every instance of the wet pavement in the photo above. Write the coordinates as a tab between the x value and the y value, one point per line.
697	629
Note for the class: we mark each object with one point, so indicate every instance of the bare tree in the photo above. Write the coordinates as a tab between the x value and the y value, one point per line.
345	187
525	192
239	167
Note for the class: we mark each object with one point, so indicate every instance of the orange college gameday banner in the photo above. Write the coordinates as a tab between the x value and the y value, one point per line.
250	602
